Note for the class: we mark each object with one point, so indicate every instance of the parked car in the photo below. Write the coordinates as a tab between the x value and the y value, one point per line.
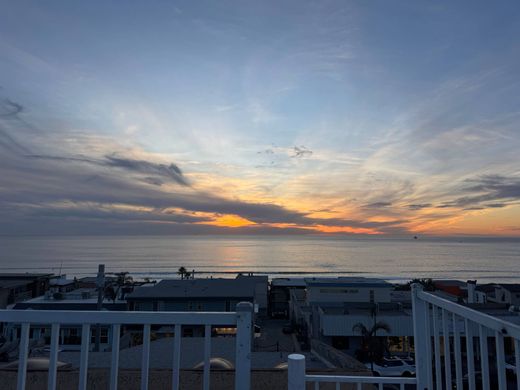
392	367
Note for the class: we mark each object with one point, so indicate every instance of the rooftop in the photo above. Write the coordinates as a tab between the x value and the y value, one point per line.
348	281
196	288
288	282
486	288
23	275
79	299
192	353
13	283
511	287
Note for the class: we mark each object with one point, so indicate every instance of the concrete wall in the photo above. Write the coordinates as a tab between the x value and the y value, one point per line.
161	379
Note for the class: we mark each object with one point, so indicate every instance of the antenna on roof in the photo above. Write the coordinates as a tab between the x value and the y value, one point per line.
61	266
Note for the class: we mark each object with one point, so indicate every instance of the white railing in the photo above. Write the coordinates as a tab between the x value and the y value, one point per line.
435	318
297	377
440	366
242	319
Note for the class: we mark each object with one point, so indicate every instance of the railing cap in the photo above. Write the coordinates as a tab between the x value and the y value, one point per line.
416	287
296	356
244	306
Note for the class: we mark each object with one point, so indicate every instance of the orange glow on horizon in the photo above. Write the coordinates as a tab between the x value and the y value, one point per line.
229	220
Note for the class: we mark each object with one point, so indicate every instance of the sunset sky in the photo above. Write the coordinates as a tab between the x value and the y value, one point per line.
162	117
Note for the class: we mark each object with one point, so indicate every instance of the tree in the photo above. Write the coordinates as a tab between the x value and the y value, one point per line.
373	347
182	272
428	285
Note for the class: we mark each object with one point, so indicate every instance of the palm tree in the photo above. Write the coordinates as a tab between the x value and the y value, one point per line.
372	345
182	272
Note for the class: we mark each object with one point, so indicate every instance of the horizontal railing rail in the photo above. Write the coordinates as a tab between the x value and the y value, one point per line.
242	319
297	378
113	317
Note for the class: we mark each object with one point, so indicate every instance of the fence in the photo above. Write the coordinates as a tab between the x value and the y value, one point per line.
242	319
440	329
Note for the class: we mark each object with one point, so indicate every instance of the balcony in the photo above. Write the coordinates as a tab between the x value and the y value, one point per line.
441	329
241	319
450	341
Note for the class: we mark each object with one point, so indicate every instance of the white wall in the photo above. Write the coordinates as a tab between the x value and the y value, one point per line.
324	294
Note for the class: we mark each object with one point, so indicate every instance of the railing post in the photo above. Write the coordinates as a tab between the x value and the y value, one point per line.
243	346
420	316
296	372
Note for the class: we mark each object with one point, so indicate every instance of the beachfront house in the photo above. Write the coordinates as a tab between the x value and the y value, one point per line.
508	293
83	299
16	287
194	295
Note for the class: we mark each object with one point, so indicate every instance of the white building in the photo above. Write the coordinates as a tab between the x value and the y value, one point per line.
347	289
507	293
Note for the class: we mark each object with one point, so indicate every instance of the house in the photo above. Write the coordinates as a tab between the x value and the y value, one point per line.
455	288
35	283
329	307
338	325
192	295
14	290
347	289
508	293
79	299
484	292
62	284
213	294
261	283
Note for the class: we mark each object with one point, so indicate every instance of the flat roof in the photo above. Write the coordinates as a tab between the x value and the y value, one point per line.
487	288
288	282
512	287
61	282
348	281
23	275
364	312
79	304
12	283
196	288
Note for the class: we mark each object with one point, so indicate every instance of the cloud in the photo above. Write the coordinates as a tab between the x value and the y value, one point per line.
10	109
301	151
419	206
377	205
488	191
170	171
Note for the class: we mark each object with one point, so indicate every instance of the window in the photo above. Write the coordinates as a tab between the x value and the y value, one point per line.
339	290
103	339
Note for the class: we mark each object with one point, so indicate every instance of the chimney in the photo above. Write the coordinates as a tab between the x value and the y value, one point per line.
471	285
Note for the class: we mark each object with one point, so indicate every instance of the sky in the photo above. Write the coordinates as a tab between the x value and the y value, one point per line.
260	117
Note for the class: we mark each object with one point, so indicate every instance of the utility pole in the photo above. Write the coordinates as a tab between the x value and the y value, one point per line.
100	283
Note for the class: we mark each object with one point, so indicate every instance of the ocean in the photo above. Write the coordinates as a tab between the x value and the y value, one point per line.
484	259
